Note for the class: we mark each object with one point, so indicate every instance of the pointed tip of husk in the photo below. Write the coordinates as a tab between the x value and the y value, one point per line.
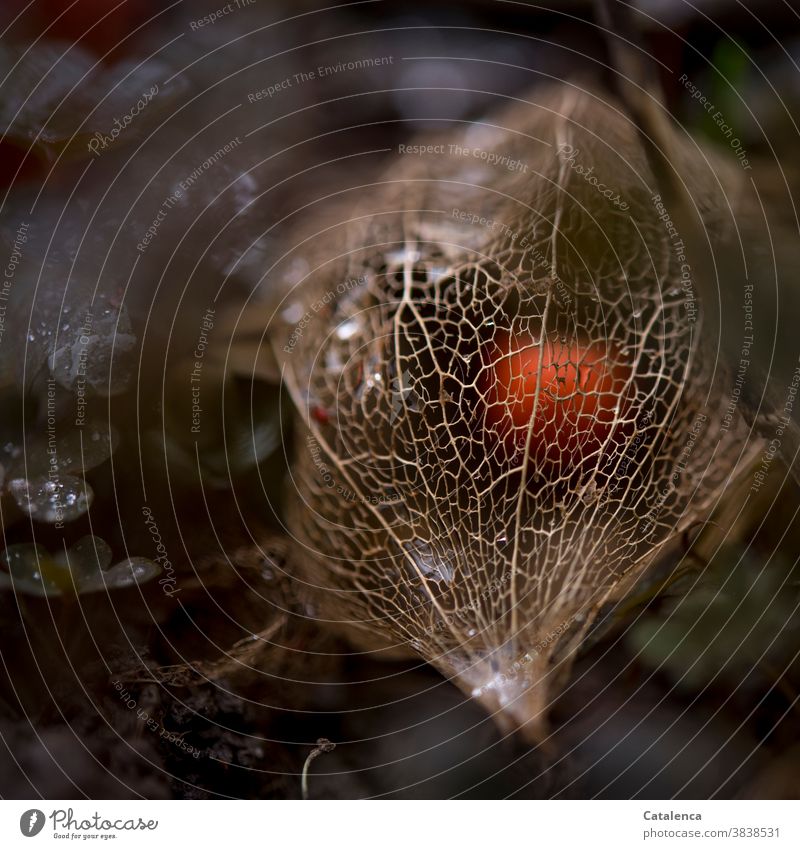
517	698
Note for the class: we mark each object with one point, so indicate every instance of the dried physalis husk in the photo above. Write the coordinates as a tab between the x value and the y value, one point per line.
505	404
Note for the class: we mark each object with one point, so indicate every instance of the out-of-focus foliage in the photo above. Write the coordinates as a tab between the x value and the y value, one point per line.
739	617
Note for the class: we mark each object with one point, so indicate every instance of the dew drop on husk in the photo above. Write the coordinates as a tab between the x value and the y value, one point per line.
430	564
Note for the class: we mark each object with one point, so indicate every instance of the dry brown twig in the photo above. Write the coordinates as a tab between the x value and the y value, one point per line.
323	747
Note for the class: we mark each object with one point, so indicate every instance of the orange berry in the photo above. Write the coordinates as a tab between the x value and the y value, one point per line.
580	397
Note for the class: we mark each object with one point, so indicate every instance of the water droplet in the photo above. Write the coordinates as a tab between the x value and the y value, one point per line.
21	560
347	329
33	571
402	257
126	573
501	539
429	562
88	556
298	269
333	360
59	499
293	313
85	353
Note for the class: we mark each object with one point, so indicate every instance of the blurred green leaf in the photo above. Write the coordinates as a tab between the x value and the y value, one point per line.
740	616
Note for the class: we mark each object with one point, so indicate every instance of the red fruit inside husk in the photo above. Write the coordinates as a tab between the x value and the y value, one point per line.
580	401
